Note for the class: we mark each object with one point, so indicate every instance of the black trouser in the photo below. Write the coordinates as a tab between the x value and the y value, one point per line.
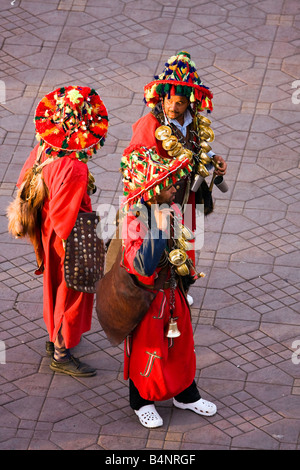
189	395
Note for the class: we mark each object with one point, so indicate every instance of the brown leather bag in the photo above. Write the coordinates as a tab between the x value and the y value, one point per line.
84	254
121	303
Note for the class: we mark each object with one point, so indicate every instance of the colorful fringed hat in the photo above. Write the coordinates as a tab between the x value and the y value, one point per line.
71	119
146	174
179	78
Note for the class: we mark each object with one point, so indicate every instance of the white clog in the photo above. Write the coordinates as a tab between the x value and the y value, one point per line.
201	407
149	417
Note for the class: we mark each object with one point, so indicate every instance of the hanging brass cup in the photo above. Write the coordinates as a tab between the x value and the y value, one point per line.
205	146
184	244
202	171
170	142
186	232
207	134
187	153
204	121
205	159
174	152
178	258
163	132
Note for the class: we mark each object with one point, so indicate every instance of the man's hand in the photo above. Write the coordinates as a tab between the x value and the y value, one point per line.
222	165
162	218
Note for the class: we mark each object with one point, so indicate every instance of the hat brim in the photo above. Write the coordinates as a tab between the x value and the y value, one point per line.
201	93
177	170
57	137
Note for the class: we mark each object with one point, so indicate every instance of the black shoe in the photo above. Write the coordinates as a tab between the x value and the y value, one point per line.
72	367
49	348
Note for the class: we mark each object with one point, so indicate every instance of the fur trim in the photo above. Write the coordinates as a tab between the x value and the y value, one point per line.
24	212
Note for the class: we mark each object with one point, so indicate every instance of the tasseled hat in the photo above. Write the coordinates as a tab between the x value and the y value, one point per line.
146	174
71	119
179	78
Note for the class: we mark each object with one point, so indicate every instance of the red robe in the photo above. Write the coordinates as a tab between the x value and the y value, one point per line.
159	367
66	179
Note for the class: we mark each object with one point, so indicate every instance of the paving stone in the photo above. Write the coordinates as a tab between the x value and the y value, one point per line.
246	309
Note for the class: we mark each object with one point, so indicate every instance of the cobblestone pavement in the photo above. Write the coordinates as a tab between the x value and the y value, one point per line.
246	309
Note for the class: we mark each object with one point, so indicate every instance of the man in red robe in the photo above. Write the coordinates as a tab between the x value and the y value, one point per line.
160	362
177	97
71	124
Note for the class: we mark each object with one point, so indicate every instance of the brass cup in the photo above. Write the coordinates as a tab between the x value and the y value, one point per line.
202	171
204	121
163	132
205	159
187	153
184	244
204	135
183	270
178	258
174	152
205	147
170	142
207	134
186	232
211	135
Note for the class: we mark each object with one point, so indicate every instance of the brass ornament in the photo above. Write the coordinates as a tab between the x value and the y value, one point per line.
204	158
170	142
187	153
184	244
176	151
204	121
178	258
163	132
186	233
205	146
202	171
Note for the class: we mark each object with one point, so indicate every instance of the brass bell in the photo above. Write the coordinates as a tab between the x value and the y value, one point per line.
173	331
